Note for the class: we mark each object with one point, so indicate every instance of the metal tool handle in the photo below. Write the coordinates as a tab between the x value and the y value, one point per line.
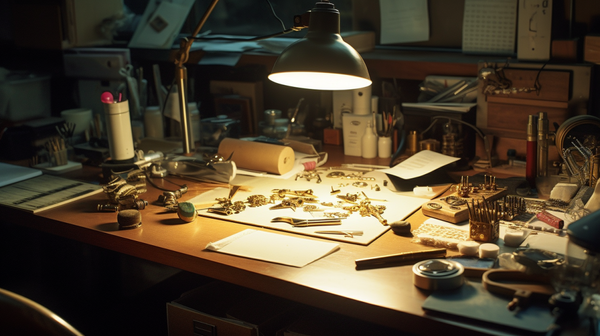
317	222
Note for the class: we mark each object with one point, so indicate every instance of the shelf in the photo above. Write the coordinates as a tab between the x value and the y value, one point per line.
382	63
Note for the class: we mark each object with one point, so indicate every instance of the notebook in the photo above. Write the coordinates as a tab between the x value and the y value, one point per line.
45	192
12	173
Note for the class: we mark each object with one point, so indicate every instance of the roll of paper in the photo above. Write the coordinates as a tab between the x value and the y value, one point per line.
258	156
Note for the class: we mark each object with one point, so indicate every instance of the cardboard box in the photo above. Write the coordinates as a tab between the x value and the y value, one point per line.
222	309
566	50
332	136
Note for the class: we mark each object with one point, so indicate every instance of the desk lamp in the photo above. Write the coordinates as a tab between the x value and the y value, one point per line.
319	61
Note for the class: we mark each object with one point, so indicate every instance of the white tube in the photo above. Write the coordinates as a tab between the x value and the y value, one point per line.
120	139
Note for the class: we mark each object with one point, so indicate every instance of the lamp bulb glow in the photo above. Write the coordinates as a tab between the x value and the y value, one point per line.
319	80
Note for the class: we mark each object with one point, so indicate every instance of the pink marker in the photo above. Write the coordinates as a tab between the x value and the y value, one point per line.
120	96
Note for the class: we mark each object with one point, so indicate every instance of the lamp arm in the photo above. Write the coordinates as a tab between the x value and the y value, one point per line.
181	81
300	22
186	43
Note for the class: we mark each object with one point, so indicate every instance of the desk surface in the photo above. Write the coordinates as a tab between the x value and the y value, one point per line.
384	296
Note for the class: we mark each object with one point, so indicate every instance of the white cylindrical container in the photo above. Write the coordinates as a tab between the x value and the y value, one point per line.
120	139
369	142
153	122
361	101
374	107
384	147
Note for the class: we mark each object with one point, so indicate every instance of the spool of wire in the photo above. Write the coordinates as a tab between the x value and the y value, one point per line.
438	274
129	219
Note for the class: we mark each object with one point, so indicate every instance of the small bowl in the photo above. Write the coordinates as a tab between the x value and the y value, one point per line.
81	117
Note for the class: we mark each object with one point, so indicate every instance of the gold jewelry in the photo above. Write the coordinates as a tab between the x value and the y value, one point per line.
433	206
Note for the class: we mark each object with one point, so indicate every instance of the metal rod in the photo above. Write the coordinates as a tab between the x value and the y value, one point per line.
188	144
181	79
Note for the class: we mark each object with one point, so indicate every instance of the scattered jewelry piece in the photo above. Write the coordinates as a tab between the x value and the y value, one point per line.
455	200
360	184
257	200
434	206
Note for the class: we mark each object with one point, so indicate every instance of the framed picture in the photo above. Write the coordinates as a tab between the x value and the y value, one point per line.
238	108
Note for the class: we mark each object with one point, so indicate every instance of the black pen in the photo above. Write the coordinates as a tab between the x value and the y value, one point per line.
403	257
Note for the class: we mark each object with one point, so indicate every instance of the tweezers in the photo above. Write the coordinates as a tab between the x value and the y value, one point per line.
346	233
300	222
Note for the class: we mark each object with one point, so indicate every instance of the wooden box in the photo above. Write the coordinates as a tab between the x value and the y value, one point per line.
591	52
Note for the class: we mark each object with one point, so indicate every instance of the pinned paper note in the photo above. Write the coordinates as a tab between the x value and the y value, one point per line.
404	21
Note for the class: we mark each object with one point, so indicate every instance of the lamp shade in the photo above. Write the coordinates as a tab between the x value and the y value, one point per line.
321	60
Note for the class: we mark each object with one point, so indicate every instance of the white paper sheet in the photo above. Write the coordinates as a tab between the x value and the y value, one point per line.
421	163
398	207
220	58
404	21
273	247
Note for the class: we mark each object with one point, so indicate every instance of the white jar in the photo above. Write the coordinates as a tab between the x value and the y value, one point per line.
153	122
384	146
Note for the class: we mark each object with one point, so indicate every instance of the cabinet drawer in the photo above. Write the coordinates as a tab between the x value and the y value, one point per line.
555	84
515	116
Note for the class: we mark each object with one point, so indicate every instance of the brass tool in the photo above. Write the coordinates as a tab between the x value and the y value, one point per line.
301	222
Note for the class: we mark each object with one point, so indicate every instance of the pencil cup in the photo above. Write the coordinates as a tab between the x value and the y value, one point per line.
483	231
384	147
59	157
120	138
